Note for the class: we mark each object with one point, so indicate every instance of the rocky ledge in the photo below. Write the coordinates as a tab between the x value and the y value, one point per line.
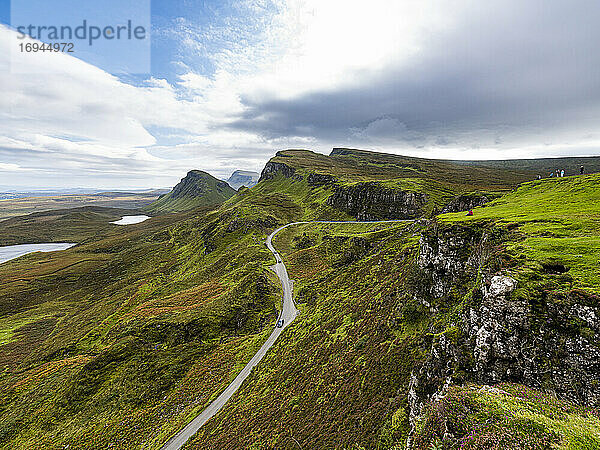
371	201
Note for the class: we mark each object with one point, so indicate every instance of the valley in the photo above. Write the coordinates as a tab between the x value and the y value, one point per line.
417	326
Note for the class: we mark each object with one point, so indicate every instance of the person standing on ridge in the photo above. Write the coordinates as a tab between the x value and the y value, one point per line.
581	170
562	173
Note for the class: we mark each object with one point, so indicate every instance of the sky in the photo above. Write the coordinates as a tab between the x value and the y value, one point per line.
232	82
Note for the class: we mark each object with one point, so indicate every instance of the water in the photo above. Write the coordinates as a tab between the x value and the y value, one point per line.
130	220
14	251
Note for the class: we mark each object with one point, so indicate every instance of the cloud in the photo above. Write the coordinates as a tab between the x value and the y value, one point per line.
500	74
455	79
4	167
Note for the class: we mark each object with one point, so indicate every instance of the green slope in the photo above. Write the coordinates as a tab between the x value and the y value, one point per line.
341	375
196	189
120	341
367	185
62	225
116	341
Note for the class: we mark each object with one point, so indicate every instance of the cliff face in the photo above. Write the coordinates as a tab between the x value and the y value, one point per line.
537	337
370	201
364	201
273	168
465	202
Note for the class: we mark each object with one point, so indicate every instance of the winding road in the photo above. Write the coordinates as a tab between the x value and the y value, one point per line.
288	314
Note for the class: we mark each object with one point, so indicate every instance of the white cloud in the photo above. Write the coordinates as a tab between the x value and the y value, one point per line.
85	122
10	168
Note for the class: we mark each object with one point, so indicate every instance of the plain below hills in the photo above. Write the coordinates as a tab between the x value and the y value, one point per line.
20	204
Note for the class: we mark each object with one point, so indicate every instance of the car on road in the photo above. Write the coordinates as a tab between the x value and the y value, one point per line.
280	323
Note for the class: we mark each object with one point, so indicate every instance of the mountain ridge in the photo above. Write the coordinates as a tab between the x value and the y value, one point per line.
241	178
196	189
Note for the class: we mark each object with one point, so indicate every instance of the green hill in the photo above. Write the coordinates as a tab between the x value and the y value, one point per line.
370	185
196	189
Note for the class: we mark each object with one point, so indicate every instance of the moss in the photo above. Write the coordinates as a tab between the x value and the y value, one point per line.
506	416
558	222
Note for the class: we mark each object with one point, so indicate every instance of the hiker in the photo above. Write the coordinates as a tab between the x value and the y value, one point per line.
551	174
557	173
470	213
539	177
562	173
581	170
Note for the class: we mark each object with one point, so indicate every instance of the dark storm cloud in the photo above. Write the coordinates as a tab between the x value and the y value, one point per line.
508	69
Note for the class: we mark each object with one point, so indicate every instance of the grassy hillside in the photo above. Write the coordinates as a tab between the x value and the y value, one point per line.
542	166
341	375
121	340
358	177
196	189
558	221
117	341
350	165
507	416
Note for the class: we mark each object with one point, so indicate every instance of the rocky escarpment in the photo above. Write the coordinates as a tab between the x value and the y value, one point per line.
320	179
371	201
273	168
465	202
502	329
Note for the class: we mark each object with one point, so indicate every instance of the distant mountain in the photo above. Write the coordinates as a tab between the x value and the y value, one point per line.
241	178
196	189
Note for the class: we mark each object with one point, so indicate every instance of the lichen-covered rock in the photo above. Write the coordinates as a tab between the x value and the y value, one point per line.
543	339
371	201
444	257
465	202
494	329
320	179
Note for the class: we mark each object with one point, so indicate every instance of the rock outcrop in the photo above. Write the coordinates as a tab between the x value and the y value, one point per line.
545	339
465	202
273	168
371	201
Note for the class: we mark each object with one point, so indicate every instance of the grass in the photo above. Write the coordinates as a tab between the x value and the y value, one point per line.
356	176
338	366
558	220
507	416
363	166
122	339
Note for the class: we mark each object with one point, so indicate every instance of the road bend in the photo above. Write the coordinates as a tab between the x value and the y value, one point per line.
288	314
